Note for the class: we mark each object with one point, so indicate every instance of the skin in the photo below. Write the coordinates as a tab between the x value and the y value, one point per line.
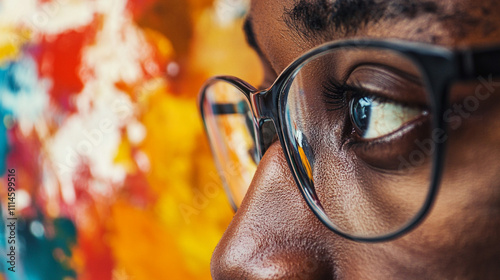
274	235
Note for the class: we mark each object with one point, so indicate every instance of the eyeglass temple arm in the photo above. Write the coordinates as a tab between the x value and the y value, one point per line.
476	63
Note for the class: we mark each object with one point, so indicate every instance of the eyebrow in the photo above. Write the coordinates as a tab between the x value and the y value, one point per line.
309	18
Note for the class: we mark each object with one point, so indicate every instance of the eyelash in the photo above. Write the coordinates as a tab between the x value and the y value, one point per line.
339	94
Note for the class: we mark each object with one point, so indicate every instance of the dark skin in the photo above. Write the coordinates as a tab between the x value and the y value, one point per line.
274	235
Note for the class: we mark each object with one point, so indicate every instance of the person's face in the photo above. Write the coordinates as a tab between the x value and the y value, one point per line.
274	235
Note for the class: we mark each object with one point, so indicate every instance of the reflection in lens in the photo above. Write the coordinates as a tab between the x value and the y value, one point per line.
230	128
353	118
360	113
305	153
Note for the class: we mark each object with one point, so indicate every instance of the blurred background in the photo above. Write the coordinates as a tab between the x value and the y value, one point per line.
98	117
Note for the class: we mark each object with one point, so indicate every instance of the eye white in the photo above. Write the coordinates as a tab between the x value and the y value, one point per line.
388	117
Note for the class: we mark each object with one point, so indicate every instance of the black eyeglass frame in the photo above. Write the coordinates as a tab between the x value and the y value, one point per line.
441	67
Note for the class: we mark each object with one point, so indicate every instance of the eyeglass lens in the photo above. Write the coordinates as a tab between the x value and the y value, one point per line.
229	124
356	126
354	119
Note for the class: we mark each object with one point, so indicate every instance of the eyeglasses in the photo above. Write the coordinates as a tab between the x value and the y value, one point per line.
362	124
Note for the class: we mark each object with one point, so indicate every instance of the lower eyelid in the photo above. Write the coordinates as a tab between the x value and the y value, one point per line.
397	135
383	153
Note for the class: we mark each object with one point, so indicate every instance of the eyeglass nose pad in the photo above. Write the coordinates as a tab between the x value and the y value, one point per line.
266	136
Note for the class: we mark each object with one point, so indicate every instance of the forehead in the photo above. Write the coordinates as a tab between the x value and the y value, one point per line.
286	29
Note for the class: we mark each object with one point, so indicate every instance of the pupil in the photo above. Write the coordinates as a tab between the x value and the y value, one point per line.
360	112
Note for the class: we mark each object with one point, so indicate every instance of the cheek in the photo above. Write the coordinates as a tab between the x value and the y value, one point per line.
464	219
472	171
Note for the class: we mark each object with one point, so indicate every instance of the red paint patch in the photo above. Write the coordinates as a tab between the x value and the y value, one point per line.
81	183
96	253
23	156
138	7
59	59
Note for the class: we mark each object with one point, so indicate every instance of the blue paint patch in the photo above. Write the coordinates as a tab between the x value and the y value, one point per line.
7	81
36	256
4	146
22	96
19	77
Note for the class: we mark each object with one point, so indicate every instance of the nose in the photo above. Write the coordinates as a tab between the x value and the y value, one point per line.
274	235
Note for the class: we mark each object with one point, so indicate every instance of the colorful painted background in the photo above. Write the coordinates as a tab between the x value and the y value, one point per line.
98	116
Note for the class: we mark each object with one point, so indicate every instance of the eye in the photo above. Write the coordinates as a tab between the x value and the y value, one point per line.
373	117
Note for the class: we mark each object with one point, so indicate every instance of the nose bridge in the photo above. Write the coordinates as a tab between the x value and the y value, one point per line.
273	235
